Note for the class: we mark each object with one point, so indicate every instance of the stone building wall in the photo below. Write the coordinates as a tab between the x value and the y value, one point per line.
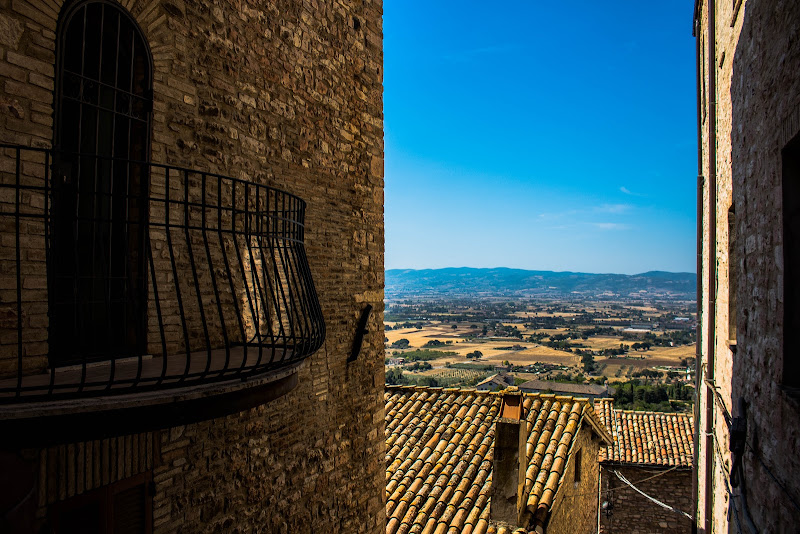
757	98
575	505
632	513
282	93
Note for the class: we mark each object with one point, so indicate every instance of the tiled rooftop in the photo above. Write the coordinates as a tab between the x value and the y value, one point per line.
652	438
573	389
439	448
499	381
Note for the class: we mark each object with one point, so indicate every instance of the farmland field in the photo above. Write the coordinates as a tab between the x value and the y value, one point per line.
542	341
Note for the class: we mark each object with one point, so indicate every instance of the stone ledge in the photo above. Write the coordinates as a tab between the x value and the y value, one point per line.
47	423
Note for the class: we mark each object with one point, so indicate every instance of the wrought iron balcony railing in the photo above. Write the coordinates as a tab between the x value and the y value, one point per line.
122	276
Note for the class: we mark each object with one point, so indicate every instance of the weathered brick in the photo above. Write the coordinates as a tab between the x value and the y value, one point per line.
757	113
235	94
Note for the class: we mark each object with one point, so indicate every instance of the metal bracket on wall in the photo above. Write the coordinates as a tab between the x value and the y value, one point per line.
361	329
738	440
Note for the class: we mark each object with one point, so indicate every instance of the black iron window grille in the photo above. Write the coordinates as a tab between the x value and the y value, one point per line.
195	278
103	108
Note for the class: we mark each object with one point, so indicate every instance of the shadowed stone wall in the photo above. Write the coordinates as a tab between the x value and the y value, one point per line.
632	513
575	505
757	113
282	93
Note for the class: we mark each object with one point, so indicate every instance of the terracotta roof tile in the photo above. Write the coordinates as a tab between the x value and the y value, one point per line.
652	438
439	451
536	385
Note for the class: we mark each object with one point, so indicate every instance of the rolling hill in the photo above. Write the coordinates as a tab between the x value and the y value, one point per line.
505	282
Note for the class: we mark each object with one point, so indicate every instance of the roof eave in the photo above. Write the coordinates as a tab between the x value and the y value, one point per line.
598	427
665	467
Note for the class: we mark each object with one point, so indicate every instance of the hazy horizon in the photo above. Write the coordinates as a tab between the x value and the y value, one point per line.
535	269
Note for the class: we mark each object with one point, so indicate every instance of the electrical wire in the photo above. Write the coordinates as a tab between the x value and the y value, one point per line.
733	504
623	487
720	402
729	489
726	415
721	459
653	499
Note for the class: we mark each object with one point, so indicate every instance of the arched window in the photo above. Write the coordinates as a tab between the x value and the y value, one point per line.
96	278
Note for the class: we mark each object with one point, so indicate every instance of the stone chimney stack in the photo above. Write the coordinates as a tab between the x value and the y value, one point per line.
508	472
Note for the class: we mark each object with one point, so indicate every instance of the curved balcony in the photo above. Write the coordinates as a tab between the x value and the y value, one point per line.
122	277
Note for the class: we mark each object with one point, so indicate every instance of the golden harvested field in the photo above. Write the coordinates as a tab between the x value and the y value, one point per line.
656	357
674	353
532	355
611	370
417	338
490	349
602	342
492	355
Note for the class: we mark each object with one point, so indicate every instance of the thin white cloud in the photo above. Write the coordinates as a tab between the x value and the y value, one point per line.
558	215
612	208
610	226
629	192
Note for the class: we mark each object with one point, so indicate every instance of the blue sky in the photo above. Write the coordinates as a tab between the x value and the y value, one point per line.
540	135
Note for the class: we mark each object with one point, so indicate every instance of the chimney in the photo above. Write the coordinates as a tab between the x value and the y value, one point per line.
508	471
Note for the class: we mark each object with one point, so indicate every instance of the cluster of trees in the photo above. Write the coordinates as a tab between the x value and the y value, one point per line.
569	335
394	376
647	374
408	324
600	331
569	378
474	355
564	345
634	395
537	367
587	360
419	366
401	343
642	346
667	339
500	330
622	350
559	341
437	343
650	374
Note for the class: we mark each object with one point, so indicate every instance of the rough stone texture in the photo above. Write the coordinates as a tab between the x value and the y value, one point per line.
571	514
634	514
282	93
757	96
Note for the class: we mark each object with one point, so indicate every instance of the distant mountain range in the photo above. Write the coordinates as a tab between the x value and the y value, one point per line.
499	282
